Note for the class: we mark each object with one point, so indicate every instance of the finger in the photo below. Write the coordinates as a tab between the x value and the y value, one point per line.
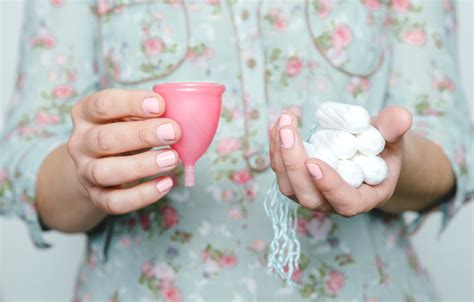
112	171
293	155
122	137
393	123
111	104
275	155
121	201
344	199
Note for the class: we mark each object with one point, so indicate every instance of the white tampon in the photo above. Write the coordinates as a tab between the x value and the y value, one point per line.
341	143
321	153
370	142
374	168
339	116
350	172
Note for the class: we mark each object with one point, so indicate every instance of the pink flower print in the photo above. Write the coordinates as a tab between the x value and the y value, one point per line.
277	19
63	91
415	37
442	82
342	36
171	294
164	272
319	228
228	145
170	216
372	4
400	5
296	276
153	46
102	7
323	8
43	39
48	42
250	194
235	214
241	177
147	269
214	2
228	261
302	226
280	24
56	2
258	245
293	67
372	299
44	118
3	175
334	283
145	221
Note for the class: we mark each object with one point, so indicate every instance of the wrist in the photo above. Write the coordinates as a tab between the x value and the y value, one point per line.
61	200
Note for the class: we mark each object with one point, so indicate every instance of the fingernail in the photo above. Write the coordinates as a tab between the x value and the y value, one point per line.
285	120
164	185
151	106
166	132
287	138
166	159
315	171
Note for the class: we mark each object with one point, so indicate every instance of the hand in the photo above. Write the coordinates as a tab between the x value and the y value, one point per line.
108	125
316	185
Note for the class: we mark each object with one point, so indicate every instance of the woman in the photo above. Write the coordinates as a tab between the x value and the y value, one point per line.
155	239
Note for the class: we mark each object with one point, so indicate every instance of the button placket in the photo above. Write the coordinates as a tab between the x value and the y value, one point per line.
251	60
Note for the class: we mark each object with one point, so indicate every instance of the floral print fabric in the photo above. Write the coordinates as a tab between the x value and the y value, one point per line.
210	242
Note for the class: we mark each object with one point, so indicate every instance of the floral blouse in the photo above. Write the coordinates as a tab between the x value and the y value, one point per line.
210	242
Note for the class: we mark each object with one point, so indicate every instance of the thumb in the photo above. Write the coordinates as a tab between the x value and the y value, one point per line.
393	123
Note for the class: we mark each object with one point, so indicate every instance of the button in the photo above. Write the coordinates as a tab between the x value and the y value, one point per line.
251	63
258	161
245	14
254	114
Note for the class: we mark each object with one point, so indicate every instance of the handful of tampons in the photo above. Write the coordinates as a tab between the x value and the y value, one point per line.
346	141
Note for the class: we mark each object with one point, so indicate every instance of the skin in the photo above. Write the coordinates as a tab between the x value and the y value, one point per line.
99	171
107	154
419	172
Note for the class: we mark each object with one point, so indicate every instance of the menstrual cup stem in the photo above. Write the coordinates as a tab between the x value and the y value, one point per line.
189	180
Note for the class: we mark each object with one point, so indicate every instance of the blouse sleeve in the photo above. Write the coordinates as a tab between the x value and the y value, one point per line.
56	68
425	79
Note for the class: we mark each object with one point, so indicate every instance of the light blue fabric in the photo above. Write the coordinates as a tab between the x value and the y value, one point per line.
211	242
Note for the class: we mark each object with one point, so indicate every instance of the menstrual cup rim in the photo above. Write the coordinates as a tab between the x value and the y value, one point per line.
190	87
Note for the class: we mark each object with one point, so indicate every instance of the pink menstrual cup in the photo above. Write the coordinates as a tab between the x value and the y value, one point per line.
196	107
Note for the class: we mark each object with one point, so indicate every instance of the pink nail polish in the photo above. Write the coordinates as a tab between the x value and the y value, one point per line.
164	185
315	171
151	106
166	159
166	132
287	138
285	120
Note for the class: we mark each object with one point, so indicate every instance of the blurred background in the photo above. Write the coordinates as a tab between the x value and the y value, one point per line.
29	274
